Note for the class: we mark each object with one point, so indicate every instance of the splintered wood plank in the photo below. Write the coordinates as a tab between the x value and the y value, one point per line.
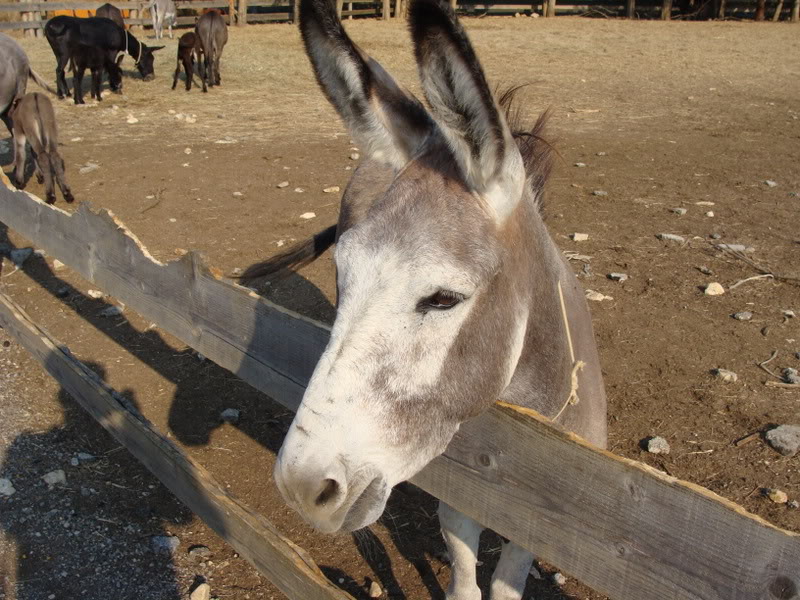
619	526
268	346
254	537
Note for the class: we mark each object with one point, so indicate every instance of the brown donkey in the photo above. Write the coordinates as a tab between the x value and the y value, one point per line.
451	292
35	122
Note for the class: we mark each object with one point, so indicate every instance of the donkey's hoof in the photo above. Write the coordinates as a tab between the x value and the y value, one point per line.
69	198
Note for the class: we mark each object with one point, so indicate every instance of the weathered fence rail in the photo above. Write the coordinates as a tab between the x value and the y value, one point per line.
621	527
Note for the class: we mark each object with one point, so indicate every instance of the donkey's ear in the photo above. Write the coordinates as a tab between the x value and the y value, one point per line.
388	122
464	106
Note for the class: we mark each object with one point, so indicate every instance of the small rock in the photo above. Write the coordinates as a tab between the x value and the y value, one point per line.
111	311
670	237
714	289
283	184
618	276
599	193
791	375
201	592
74	461
745	315
85	457
516	16
770	183
76	139
705	270
299	190
164	544
580	165
579	237
679	211
199	551
375	590
237	270
657	445
602	153
131	119
96	294
559	579
735	247
535	15
710	213
596	296
777	496
187	150
725	375
88	168
793	504
55	477
6	488
173	220
19	255
62	292
355	156
308	215
238	194
704	203
331	190
789	314
784	439
534	572
715	236
230	415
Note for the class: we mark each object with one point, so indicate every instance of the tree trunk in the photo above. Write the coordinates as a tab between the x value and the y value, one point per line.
242	21
630	8
796	11
721	14
666	10
231	11
761	10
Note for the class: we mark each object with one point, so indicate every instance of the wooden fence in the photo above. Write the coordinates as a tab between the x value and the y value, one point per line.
34	14
623	528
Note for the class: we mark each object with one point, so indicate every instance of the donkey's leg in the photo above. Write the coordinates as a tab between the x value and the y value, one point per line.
177	74
19	160
58	169
461	534
45	166
77	84
511	574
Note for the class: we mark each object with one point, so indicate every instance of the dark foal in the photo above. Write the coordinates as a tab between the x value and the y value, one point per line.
35	122
96	60
189	54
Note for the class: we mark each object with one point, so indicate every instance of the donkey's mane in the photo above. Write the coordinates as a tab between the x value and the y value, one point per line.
537	152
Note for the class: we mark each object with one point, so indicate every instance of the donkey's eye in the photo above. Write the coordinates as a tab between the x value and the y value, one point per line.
441	300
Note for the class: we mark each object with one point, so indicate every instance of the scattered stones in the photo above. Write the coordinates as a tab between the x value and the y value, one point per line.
770	183
131	119
596	296
111	311
230	415
6	488
88	168
164	544
355	156
58	265
776	495
784	439
331	190
791	375
201	592
199	551
559	579
714	289
55	477
744	315
599	193
283	184
671	237
618	276
679	211
299	190
308	215
579	237
710	213
375	590
656	445
19	255
725	375
580	165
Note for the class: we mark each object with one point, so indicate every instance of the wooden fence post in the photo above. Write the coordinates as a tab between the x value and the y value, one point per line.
778	10
761	10
398	9
721	14
295	11
231	11
27	16
630	8
350	10
551	8
796	11
339	7
387	10
242	20
454	4
666	10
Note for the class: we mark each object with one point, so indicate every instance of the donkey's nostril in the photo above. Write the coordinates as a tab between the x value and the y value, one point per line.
329	489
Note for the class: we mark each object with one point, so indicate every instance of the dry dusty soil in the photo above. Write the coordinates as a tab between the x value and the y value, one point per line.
663	115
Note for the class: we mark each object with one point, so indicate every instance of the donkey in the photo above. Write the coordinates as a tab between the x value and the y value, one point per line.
109	11
213	35
451	292
35	122
189	54
163	11
65	33
15	70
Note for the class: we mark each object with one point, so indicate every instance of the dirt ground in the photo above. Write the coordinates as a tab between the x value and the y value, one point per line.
663	115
